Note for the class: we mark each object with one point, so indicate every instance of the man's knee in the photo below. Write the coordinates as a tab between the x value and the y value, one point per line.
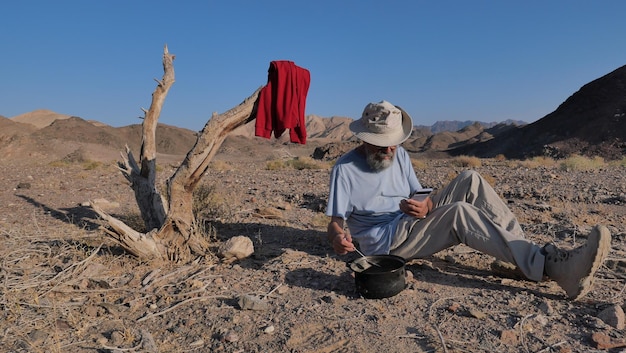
469	174
460	207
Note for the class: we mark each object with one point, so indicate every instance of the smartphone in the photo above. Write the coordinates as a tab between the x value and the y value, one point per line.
421	195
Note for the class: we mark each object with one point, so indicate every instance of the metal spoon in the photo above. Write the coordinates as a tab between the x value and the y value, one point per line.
366	260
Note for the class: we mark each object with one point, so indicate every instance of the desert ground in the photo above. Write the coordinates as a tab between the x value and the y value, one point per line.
65	286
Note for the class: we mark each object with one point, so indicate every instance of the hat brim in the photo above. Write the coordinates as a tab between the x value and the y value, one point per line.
383	140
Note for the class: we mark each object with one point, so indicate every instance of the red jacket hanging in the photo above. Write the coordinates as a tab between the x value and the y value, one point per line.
282	101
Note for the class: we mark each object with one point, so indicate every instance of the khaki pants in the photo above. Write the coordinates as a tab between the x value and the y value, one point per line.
468	211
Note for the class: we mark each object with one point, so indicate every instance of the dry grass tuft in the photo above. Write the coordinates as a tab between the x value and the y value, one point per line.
419	164
619	162
466	162
536	162
578	162
86	164
489	179
320	220
220	165
91	165
210	203
298	163
38	266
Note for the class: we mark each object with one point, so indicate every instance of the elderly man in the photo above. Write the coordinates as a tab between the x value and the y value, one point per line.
371	188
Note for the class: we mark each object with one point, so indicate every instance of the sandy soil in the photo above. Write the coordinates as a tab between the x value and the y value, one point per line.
67	287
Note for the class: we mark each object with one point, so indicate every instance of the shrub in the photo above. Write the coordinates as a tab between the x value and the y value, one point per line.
320	220
490	179
91	165
500	158
220	165
578	162
298	163
466	161
275	164
59	163
619	162
418	164
537	162
208	202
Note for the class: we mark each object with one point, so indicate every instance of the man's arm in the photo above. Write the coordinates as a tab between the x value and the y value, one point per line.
340	240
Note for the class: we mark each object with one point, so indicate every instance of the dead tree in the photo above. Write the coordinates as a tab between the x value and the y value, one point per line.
172	232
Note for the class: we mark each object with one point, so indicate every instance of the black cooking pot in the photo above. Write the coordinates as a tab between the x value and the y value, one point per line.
378	276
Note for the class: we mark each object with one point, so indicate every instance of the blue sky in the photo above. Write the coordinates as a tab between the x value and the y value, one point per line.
439	60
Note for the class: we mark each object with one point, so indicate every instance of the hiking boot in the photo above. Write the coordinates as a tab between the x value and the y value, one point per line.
573	270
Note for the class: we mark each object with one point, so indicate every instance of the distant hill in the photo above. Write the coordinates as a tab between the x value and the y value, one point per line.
39	118
456	125
591	122
331	129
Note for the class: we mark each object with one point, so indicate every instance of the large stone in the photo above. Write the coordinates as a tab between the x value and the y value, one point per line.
236	248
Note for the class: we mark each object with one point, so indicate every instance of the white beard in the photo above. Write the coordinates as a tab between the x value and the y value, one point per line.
379	164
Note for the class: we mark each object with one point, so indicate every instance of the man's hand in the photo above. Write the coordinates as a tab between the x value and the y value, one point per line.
417	209
340	240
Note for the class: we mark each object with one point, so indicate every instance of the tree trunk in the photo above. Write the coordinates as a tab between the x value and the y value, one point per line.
172	232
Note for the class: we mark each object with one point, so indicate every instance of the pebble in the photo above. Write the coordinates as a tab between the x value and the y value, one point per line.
546	308
282	289
197	343
37	336
509	337
613	316
249	302
477	313
231	336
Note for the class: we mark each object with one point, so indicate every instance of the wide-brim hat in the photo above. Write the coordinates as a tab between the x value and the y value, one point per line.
383	124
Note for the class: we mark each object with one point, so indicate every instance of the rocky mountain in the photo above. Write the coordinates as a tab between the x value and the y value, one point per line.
328	129
40	118
590	122
455	125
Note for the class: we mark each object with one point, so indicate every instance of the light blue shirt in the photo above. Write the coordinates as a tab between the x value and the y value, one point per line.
368	200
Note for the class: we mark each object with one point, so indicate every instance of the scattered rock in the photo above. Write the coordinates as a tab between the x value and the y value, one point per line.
230	337
236	248
613	316
282	289
249	302
451	259
546	308
147	341
197	343
23	185
37	336
477	313
93	310
117	338
604	341
509	337
454	307
269	213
